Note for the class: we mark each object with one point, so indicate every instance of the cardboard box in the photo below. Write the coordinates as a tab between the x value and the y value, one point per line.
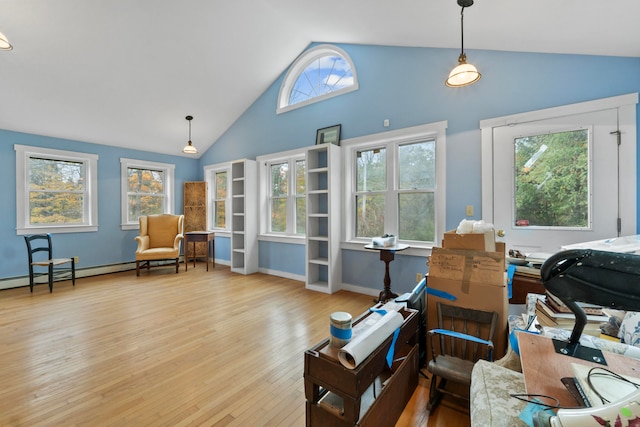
475	241
477	279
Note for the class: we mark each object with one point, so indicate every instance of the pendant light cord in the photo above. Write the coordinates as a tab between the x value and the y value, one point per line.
462	31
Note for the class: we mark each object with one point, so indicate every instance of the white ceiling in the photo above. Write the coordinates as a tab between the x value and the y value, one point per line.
127	72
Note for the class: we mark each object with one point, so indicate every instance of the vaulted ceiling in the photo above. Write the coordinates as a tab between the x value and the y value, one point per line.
127	72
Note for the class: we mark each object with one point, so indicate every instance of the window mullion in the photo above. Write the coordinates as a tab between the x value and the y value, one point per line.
391	225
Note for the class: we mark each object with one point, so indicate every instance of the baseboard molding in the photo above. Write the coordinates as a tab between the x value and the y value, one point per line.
283	274
21	281
360	290
17	282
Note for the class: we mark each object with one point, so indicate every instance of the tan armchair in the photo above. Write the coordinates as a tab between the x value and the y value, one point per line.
159	239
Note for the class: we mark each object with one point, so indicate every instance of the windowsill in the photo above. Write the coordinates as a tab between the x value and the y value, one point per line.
296	240
221	233
59	229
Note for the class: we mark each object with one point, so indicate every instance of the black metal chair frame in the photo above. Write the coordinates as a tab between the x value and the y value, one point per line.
464	336
54	271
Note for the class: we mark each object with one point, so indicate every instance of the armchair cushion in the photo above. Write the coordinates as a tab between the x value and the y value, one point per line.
491	386
160	237
162	230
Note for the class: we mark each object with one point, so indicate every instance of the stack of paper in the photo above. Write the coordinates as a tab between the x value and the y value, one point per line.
602	384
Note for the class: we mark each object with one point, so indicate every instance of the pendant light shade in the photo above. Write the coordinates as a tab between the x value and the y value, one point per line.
4	43
189	148
463	74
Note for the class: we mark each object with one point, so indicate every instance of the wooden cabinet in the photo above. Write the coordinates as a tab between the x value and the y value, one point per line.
323	262
244	217
195	215
372	394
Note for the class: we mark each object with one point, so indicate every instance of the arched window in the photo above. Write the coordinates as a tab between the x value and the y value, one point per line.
321	72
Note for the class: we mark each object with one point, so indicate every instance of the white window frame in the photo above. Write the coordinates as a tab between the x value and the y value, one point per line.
169	191
390	141
210	172
627	169
300	64
90	162
264	173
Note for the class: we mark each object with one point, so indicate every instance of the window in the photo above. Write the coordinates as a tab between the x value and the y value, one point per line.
283	194
218	178
220	200
561	175
397	185
320	73
552	179
147	189
56	191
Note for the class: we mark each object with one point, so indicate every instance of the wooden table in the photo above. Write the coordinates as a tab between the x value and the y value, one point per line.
543	367
523	285
200	236
387	254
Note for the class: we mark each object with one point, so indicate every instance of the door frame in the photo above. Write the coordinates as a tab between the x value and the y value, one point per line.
626	105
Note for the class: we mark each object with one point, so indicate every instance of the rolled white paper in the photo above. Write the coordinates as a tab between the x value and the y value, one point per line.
365	343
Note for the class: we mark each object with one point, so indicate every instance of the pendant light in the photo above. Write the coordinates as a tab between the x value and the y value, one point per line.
463	74
4	43
189	148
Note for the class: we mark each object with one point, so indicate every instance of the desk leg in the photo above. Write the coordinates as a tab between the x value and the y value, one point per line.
194	254
186	254
386	294
212	243
208	253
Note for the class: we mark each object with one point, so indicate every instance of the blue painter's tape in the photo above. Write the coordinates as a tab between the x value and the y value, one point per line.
392	348
461	335
343	334
441	294
511	270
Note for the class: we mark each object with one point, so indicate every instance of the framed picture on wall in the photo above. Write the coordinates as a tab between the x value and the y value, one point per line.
328	135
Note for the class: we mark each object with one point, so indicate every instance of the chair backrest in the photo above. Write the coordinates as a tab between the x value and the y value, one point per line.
161	229
39	243
478	323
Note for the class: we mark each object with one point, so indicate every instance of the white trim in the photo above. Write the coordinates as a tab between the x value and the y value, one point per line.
264	182
286	275
23	281
277	238
169	192
626	104
210	172
435	130
90	161
299	65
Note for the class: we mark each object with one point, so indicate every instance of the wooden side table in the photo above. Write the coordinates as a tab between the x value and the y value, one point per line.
387	254
200	236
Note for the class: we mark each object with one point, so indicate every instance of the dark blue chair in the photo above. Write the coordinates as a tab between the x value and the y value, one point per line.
41	256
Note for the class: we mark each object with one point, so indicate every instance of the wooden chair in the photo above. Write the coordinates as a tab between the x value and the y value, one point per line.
464	336
159	239
40	252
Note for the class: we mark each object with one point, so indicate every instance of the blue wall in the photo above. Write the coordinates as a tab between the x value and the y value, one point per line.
404	85
110	244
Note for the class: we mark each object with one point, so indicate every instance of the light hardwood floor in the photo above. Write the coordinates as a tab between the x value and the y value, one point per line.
164	349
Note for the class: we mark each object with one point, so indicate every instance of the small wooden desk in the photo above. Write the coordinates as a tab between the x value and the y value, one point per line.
200	236
387	254
543	367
